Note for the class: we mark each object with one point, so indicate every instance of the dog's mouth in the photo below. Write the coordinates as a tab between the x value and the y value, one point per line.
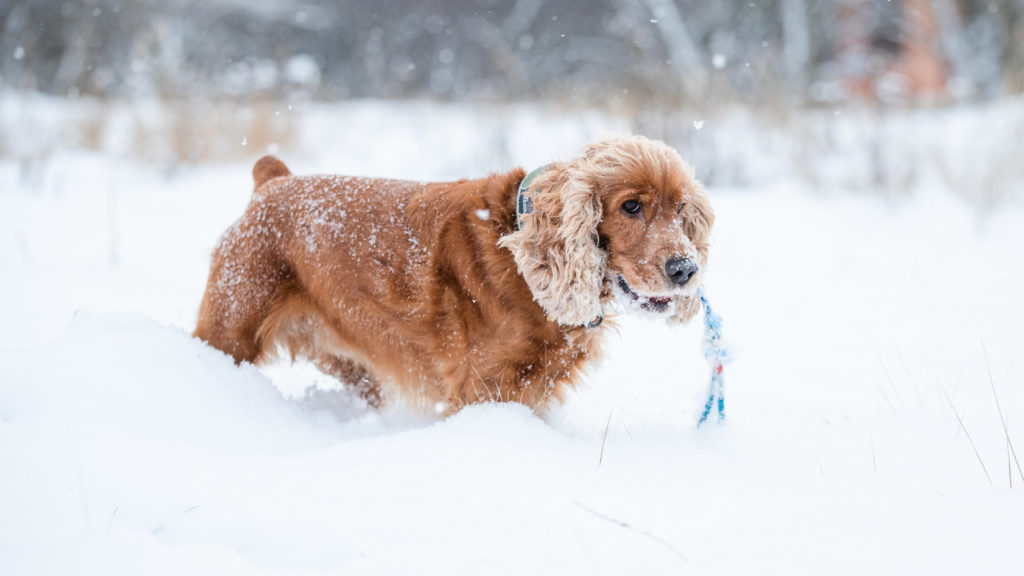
650	303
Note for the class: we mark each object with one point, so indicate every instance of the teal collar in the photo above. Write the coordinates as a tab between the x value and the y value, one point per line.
524	205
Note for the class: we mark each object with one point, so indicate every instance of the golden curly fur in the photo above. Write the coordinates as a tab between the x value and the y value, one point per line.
430	292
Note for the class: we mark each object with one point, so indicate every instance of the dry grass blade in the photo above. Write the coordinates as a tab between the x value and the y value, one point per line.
607	425
966	433
1002	419
622	524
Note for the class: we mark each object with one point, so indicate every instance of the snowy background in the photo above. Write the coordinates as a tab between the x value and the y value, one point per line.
867	264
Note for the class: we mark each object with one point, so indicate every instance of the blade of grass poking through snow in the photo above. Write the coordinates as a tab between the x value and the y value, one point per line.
966	433
607	425
1002	419
641	531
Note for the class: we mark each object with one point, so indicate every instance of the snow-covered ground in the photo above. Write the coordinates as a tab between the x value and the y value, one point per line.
859	323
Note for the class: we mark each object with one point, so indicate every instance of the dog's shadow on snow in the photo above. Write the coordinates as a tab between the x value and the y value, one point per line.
317	393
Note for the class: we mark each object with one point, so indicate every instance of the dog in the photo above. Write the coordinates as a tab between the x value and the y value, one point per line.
454	293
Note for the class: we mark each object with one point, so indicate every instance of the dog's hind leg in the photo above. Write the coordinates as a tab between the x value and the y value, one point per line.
244	284
293	326
353	374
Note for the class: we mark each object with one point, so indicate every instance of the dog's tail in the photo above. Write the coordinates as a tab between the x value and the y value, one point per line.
267	168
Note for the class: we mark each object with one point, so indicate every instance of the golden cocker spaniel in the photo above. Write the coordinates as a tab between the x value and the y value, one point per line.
446	294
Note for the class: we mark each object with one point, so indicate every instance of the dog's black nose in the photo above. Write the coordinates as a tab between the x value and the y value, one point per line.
680	270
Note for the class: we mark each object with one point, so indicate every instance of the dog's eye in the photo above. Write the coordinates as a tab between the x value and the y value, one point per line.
631	207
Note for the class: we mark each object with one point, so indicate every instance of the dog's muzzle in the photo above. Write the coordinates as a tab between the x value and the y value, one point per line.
658	304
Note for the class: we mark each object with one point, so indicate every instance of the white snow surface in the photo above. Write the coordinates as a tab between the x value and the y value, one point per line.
128	447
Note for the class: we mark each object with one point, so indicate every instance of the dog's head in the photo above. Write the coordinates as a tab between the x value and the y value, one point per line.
628	217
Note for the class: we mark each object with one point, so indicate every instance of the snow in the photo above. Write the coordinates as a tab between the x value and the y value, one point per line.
127	447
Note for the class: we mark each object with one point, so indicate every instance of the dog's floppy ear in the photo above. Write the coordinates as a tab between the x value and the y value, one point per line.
556	250
697	227
701	218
